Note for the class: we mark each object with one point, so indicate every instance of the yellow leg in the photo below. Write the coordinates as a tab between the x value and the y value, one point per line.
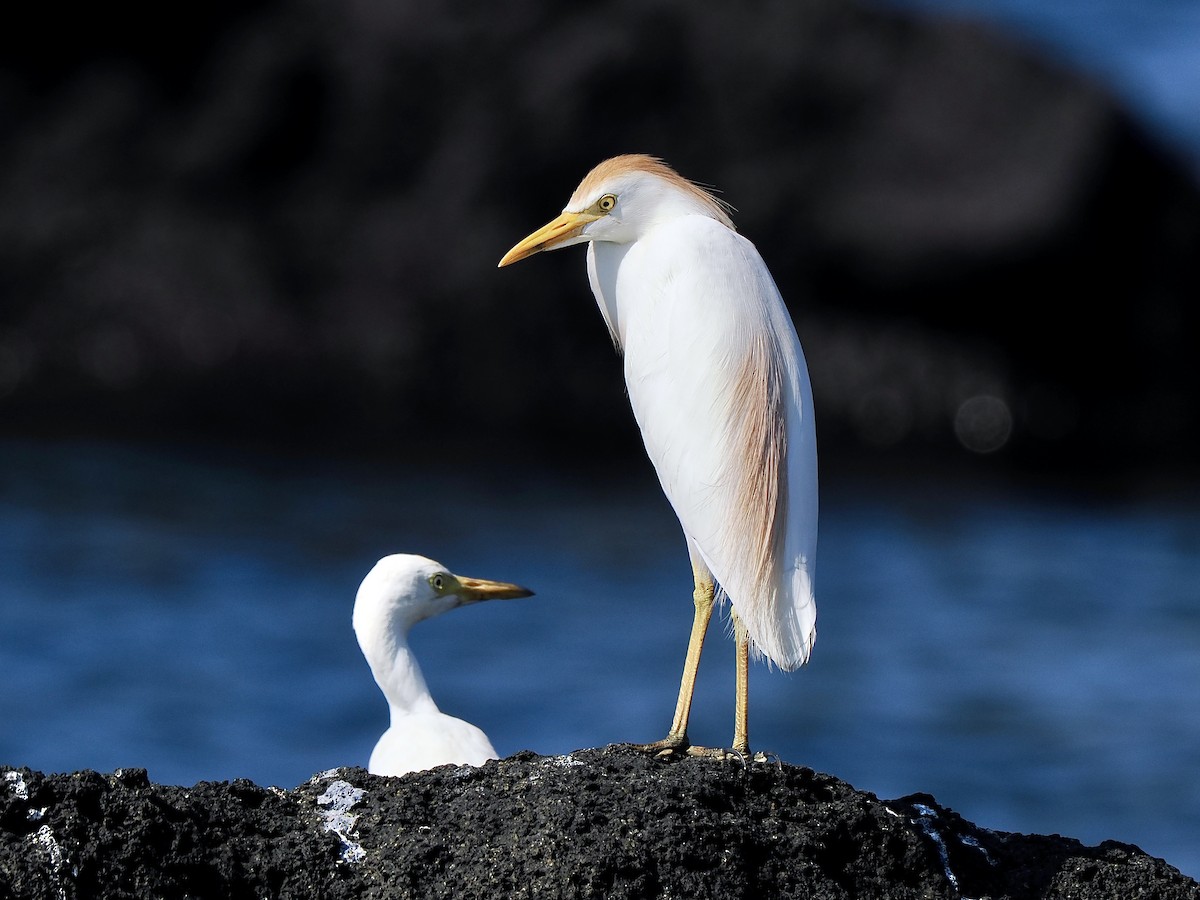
677	739
741	714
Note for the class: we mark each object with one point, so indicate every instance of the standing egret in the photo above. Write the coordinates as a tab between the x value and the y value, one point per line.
720	391
398	592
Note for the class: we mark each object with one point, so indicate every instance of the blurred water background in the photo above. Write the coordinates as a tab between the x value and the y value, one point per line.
1029	657
252	339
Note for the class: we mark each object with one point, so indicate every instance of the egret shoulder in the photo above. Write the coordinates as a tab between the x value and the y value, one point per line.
699	281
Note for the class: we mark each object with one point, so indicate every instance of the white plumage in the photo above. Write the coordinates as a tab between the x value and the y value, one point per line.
720	390
398	592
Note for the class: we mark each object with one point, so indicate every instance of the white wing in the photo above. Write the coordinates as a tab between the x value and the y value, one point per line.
424	740
719	388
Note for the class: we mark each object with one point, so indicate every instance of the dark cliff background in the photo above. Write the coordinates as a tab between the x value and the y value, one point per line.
278	222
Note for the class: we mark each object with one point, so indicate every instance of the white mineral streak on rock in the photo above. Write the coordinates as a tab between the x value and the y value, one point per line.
16	781
45	840
339	798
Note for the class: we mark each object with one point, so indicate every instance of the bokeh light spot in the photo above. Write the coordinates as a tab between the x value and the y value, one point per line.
983	423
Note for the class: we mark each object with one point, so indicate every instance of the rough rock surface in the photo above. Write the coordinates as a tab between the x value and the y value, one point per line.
599	823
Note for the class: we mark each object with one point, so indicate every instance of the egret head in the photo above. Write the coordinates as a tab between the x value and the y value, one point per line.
403	589
619	201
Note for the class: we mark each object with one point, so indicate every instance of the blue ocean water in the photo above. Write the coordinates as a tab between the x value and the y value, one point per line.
1033	662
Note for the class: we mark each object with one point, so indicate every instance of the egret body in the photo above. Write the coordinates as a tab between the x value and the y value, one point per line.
398	592
720	391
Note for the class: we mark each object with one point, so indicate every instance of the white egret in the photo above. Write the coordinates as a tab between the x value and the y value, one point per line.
720	390
398	592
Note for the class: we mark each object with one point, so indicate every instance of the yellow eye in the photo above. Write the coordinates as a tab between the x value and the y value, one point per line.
607	202
438	582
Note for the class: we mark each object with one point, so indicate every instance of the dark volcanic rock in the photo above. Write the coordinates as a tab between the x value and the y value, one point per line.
598	823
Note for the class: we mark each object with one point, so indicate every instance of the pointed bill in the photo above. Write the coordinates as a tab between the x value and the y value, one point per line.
474	590
549	236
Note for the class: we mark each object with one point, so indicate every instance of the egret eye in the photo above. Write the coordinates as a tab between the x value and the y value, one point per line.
438	582
607	202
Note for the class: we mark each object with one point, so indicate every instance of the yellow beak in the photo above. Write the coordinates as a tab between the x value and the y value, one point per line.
473	590
549	236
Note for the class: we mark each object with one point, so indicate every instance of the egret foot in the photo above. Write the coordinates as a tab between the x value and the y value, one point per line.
674	746
671	746
720	753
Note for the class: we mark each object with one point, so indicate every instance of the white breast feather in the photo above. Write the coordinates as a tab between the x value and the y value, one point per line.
729	433
427	739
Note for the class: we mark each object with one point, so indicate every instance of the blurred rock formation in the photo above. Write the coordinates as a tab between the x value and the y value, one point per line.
280	221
